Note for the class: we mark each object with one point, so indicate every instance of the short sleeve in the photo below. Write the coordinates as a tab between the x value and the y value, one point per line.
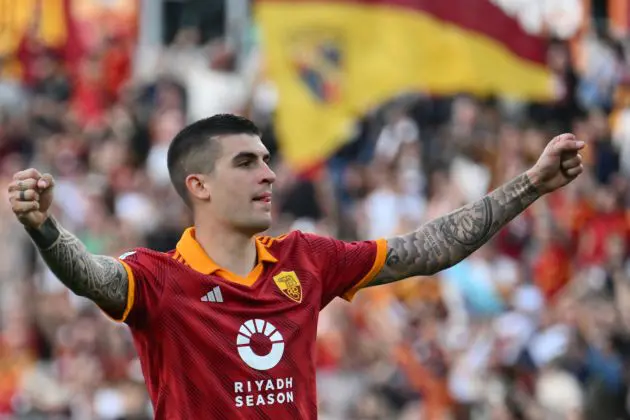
346	267
144	290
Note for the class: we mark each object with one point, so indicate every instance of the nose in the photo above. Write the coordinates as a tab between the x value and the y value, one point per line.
268	176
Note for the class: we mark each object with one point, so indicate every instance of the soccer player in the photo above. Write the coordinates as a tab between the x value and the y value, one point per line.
225	324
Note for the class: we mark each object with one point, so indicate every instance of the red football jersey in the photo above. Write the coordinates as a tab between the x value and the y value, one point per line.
214	345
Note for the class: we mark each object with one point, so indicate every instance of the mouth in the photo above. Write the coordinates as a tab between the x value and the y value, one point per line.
263	198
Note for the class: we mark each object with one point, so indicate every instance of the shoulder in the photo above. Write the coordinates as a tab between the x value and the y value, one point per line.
290	239
297	241
146	257
141	252
270	240
291	242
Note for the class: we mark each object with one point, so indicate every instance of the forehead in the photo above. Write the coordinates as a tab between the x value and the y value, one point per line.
233	144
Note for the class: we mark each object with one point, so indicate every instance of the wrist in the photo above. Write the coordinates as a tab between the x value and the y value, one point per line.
45	235
534	178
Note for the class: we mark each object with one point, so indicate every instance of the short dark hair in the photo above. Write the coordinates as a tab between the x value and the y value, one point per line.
193	150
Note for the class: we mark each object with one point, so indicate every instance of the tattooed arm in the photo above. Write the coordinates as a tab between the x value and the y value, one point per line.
99	278
447	240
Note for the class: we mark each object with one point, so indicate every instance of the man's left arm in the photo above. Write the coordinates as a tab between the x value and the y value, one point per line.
445	241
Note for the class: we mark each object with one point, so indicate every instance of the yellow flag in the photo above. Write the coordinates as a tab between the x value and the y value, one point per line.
333	61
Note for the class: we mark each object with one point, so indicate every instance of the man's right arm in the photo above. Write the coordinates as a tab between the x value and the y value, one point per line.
99	278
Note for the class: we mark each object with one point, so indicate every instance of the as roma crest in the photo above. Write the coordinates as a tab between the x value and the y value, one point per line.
289	284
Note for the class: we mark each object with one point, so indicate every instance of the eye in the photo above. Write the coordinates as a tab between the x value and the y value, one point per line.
245	164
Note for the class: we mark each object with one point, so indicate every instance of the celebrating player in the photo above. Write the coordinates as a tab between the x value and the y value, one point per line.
225	324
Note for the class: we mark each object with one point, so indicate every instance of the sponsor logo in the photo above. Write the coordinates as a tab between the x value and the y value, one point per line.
252	393
213	295
243	343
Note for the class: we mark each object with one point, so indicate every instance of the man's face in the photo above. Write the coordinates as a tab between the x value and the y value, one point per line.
240	185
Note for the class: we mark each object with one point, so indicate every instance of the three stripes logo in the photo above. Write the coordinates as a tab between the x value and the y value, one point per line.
213	295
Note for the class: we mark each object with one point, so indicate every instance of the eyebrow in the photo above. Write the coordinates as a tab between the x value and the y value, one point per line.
249	156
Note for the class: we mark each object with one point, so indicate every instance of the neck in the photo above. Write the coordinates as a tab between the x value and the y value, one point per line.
230	249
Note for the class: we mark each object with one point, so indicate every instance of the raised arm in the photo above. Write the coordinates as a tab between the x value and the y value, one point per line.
445	241
99	278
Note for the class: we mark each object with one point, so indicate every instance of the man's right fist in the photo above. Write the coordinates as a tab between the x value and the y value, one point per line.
31	195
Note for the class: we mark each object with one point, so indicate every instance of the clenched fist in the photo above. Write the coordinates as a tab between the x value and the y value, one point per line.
31	195
559	164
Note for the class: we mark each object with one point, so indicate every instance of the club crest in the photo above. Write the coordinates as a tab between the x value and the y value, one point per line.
289	284
317	58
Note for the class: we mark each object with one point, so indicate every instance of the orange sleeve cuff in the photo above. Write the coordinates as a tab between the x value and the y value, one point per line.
131	289
379	262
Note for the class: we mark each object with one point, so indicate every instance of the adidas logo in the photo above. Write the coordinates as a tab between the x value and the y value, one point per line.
213	295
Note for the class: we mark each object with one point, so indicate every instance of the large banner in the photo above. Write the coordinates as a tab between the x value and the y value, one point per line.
45	20
333	60
68	27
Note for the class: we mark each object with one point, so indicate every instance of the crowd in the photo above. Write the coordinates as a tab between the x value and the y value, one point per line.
535	325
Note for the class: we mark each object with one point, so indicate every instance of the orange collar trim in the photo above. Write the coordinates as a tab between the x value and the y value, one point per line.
197	258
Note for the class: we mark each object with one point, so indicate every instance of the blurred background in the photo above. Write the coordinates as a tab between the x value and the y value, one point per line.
381	115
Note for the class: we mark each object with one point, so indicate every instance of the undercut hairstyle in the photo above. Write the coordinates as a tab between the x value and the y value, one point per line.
194	150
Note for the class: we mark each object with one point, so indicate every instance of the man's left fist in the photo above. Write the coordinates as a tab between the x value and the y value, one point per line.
559	164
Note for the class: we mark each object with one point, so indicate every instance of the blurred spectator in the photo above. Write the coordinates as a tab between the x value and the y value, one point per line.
535	325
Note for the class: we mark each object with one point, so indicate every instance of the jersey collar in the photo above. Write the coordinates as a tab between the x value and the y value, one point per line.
196	257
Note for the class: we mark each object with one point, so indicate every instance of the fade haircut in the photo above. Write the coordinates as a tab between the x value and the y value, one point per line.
194	150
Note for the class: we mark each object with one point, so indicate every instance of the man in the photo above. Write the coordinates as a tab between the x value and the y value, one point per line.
225	324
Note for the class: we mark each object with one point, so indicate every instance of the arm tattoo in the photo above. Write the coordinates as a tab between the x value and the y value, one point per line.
99	278
445	241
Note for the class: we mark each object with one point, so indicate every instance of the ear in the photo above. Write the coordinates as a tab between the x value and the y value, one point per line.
198	187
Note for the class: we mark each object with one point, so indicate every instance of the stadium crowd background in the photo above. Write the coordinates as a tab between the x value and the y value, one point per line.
532	326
